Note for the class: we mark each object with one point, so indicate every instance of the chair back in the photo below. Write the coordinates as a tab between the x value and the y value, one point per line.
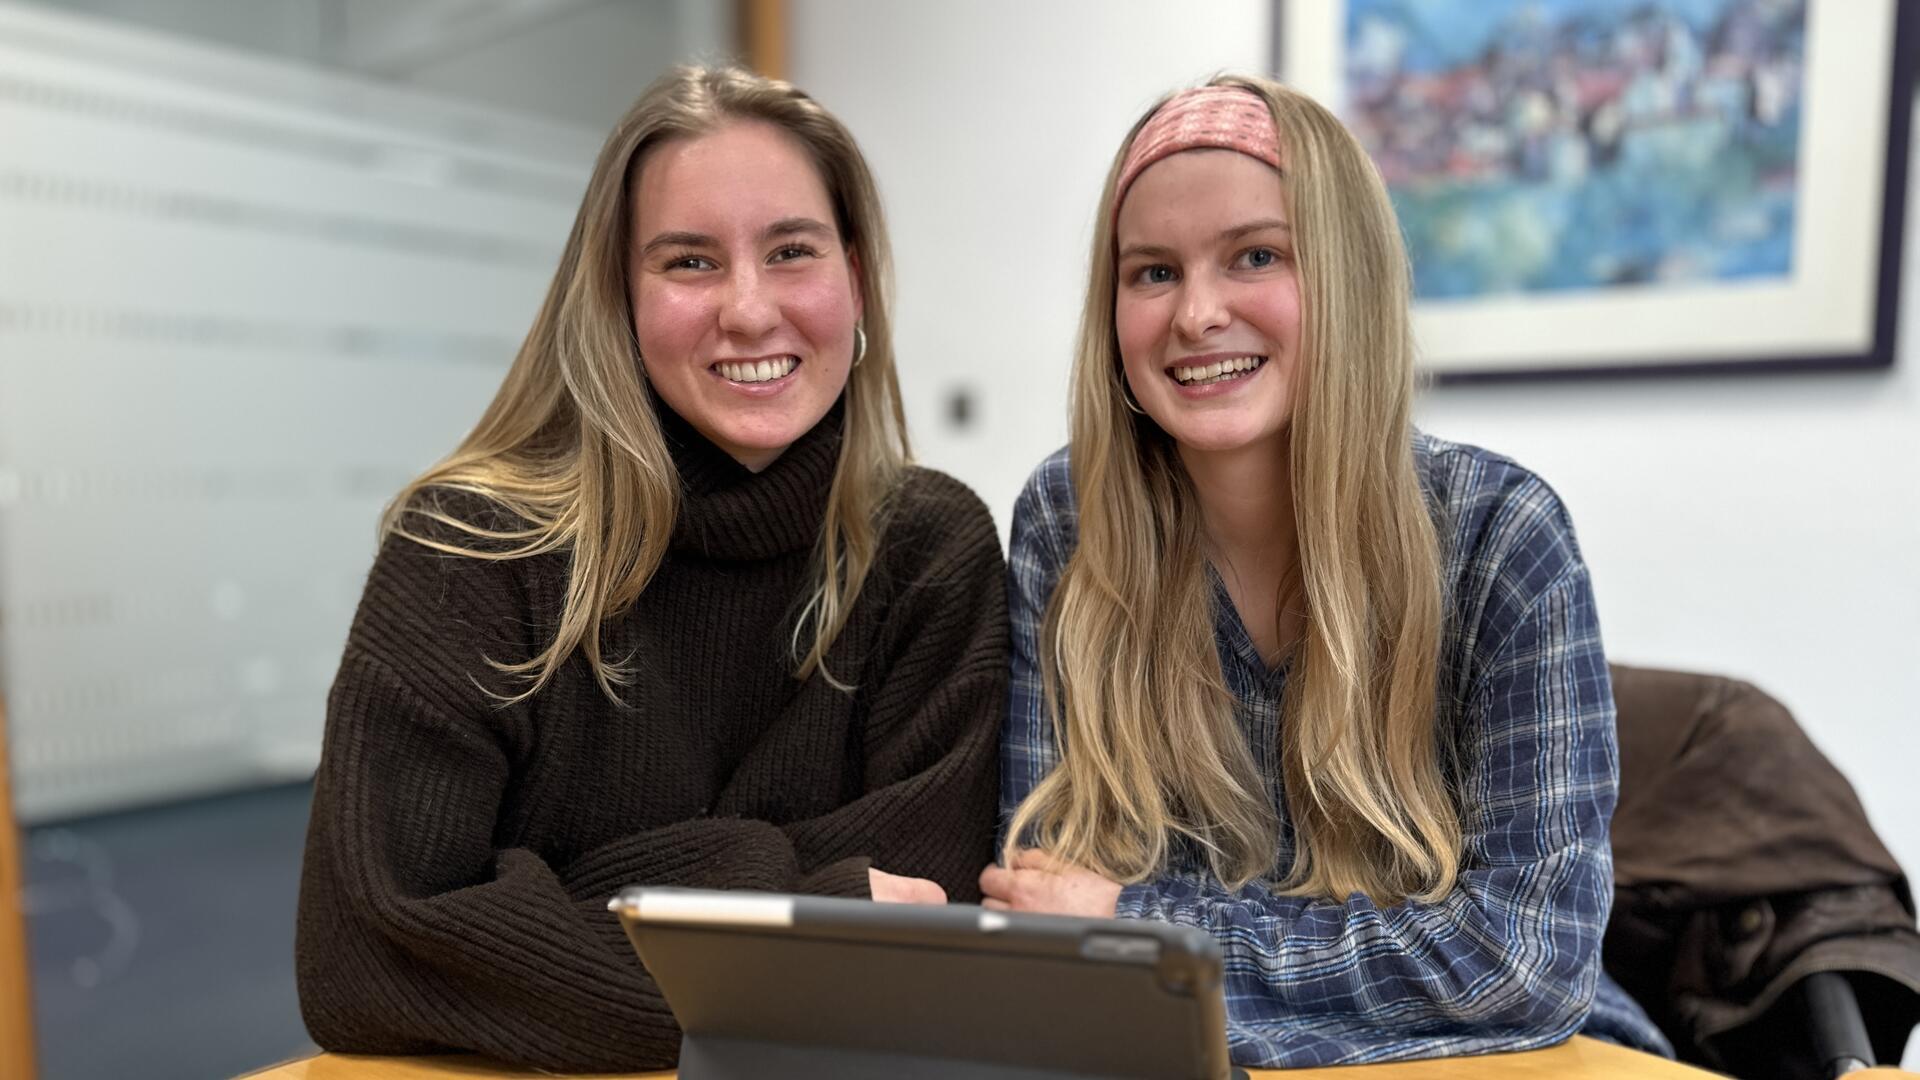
1745	867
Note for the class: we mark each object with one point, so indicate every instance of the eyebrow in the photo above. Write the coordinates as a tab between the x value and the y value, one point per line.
792	225
1151	251
784	227
1157	251
1252	227
677	239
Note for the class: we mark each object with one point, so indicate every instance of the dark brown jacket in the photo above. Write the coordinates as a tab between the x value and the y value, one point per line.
1743	863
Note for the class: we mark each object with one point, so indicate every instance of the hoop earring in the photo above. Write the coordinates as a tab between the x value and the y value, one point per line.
859	344
1126	395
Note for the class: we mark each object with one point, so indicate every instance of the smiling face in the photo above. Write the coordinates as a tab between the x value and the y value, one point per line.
1207	302
744	296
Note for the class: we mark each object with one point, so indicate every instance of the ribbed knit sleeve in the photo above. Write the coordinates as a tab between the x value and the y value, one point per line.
935	684
416	932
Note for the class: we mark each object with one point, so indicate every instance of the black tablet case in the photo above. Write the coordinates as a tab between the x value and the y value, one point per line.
852	990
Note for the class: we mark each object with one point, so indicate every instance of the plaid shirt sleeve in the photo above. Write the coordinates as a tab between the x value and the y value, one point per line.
1042	535
1509	959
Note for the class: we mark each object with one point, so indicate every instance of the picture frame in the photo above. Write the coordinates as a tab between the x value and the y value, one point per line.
1623	187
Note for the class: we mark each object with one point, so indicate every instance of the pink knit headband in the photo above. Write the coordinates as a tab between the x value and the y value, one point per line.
1204	118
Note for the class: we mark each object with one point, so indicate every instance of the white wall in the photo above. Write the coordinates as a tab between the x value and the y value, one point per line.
1766	527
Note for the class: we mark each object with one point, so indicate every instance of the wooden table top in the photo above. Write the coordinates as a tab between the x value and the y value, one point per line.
1571	1060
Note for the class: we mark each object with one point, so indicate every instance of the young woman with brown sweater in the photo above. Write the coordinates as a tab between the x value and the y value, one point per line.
677	612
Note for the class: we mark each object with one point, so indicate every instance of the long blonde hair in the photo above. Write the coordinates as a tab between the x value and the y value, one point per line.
571	447
1132	678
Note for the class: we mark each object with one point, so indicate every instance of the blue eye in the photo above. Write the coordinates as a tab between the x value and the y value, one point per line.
1259	258
1158	274
690	262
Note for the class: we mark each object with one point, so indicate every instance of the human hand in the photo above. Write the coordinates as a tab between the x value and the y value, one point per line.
1036	881
894	889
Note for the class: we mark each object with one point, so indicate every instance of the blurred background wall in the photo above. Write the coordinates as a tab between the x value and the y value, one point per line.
241	300
259	261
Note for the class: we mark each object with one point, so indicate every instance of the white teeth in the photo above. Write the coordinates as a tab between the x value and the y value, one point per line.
750	371
1218	372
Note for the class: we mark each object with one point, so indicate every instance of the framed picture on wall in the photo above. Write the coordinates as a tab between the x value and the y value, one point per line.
1624	186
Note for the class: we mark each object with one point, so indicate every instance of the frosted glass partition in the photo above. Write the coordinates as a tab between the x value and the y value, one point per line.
240	302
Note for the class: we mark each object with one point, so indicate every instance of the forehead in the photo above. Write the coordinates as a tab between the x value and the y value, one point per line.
1199	192
744	174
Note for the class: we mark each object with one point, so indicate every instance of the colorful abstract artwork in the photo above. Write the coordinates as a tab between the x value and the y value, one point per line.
1630	185
1582	144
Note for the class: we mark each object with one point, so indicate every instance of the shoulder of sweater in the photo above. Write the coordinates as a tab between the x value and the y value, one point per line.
930	499
439	588
938	526
438	514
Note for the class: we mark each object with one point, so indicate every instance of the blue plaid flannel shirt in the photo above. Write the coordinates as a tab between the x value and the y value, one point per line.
1510	959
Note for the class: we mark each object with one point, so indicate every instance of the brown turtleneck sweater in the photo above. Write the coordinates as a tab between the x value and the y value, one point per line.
461	853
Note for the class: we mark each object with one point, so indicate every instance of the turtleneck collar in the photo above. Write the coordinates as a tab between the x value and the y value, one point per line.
730	512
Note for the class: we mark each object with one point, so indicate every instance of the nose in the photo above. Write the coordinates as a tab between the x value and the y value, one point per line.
749	310
1202	308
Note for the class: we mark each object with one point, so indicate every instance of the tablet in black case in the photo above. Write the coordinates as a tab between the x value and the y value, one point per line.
811	988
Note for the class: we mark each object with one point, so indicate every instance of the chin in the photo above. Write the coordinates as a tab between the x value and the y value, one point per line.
1221	438
769	432
764	438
